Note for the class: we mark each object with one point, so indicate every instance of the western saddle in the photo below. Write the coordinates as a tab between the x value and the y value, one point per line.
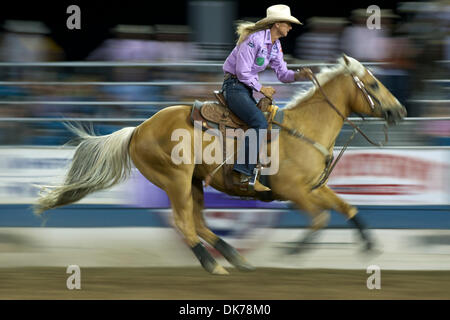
217	115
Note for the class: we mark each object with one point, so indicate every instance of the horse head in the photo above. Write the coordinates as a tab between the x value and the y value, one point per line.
372	97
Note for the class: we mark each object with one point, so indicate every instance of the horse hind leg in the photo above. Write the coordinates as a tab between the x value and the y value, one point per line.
180	196
176	182
225	249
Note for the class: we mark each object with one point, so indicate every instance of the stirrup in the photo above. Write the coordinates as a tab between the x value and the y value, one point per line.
253	181
253	178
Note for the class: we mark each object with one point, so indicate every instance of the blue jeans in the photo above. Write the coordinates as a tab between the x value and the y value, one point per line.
240	100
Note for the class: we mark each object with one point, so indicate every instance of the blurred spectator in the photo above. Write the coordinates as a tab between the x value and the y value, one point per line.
409	50
322	41
159	43
364	44
22	41
445	20
27	41
426	26
383	45
146	43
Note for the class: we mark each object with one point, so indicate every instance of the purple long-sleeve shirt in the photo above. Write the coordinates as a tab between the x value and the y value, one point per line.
253	56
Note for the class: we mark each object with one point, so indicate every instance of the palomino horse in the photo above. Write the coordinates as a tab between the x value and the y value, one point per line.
103	161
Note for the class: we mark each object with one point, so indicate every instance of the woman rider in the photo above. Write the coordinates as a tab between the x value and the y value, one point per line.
257	47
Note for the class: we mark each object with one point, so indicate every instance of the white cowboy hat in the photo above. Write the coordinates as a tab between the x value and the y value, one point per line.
278	13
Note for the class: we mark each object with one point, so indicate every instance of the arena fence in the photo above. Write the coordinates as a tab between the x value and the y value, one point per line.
412	131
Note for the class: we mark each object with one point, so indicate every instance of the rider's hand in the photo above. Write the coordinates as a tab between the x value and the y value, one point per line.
302	74
268	92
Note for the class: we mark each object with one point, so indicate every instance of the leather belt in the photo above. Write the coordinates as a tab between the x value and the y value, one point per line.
228	76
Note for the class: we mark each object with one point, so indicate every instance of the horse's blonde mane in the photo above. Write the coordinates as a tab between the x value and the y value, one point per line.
325	75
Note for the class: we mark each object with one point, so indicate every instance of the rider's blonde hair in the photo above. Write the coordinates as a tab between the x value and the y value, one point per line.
245	28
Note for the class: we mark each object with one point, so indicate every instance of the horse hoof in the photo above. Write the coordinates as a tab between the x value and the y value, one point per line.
244	266
219	270
233	256
352	212
296	249
371	250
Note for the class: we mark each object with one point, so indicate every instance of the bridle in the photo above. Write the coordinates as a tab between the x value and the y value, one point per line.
369	97
329	163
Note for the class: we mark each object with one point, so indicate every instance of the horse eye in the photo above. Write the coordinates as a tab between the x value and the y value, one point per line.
374	86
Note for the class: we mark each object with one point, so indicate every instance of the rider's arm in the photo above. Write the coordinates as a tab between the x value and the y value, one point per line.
280	67
244	60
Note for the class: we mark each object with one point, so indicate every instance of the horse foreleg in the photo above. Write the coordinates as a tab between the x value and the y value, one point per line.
319	217
228	251
330	200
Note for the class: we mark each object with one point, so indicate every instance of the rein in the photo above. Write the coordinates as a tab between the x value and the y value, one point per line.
329	163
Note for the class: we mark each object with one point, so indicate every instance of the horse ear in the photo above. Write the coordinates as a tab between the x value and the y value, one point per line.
347	61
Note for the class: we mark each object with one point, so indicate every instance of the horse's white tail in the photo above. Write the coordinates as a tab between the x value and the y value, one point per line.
99	162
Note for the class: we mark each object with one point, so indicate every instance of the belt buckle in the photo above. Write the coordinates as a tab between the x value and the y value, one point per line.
228	76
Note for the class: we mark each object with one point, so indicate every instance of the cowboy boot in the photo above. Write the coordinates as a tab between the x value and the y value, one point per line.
259	187
253	182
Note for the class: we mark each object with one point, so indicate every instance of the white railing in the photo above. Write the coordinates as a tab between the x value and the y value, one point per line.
78	119
148	103
134	83
109	64
187	64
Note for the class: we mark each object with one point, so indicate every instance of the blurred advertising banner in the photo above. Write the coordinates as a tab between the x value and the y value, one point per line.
400	176
23	169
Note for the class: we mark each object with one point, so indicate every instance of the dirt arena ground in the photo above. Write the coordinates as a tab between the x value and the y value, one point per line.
194	283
